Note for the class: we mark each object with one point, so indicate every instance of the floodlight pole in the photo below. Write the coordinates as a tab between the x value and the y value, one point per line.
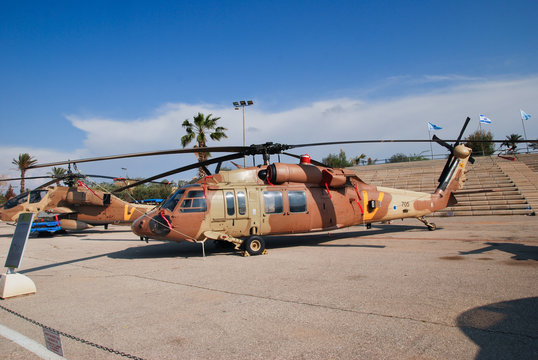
242	104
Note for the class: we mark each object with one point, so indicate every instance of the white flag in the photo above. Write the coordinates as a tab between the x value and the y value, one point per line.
524	115
484	119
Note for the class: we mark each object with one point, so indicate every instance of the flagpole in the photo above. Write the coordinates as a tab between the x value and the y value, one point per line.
524	134
480	130
429	137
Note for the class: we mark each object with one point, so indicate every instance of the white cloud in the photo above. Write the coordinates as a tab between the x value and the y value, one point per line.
347	118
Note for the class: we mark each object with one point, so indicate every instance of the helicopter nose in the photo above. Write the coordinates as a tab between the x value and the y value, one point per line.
154	224
138	226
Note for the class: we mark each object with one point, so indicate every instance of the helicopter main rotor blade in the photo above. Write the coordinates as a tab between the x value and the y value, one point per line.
181	169
49	183
268	148
142	154
28	178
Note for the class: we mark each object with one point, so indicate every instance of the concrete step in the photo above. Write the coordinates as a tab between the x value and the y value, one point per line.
529	212
517	183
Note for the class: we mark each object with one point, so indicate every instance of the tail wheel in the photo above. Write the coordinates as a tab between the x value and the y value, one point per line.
254	245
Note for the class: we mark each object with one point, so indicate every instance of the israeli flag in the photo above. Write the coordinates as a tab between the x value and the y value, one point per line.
524	115
433	127
484	119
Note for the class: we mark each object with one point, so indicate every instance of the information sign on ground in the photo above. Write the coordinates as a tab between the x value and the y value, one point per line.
53	341
18	243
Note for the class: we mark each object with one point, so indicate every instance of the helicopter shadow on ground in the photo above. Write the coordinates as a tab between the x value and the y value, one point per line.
188	249
62	263
325	238
162	250
519	251
87	234
7	235
504	330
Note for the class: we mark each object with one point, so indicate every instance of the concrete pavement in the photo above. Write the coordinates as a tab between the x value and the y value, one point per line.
467	290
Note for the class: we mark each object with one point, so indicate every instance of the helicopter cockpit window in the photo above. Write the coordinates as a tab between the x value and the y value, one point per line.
230	205
16	201
172	201
273	202
194	202
37	195
297	201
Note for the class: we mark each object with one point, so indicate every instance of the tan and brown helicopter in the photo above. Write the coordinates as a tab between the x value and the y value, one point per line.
73	207
240	206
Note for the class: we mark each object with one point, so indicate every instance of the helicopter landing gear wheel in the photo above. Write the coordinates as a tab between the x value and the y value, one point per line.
254	245
431	226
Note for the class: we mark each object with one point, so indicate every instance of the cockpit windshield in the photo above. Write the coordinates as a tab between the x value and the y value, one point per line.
172	201
37	195
11	203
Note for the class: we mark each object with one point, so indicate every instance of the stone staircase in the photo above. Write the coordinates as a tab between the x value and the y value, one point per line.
515	183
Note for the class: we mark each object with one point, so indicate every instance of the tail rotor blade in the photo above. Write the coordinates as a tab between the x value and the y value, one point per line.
462	131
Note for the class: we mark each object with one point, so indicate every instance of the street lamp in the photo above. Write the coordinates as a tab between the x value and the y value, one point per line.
242	104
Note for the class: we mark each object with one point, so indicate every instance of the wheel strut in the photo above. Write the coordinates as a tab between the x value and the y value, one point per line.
431	226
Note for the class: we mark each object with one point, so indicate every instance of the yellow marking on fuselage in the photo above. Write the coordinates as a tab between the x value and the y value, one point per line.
367	214
128	212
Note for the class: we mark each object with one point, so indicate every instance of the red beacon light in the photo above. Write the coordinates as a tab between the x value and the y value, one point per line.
305	159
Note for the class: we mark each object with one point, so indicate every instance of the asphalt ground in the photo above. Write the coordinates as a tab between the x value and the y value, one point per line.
468	290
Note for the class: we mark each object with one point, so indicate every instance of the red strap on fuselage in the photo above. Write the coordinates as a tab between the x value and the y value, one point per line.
359	198
86	186
165	219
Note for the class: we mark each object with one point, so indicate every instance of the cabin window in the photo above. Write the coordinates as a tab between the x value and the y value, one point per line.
37	195
297	200
241	203
194	202
273	202
230	204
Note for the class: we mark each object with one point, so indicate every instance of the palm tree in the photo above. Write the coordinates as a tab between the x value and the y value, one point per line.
512	141
57	173
24	161
359	159
199	131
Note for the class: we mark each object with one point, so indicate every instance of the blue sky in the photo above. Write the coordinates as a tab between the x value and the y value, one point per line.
105	77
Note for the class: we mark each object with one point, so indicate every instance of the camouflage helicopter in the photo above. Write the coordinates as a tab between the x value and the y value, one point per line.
73	207
240	206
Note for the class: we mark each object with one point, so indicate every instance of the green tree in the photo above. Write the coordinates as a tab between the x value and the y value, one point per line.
23	162
199	130
400	157
484	148
512	141
337	161
9	193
